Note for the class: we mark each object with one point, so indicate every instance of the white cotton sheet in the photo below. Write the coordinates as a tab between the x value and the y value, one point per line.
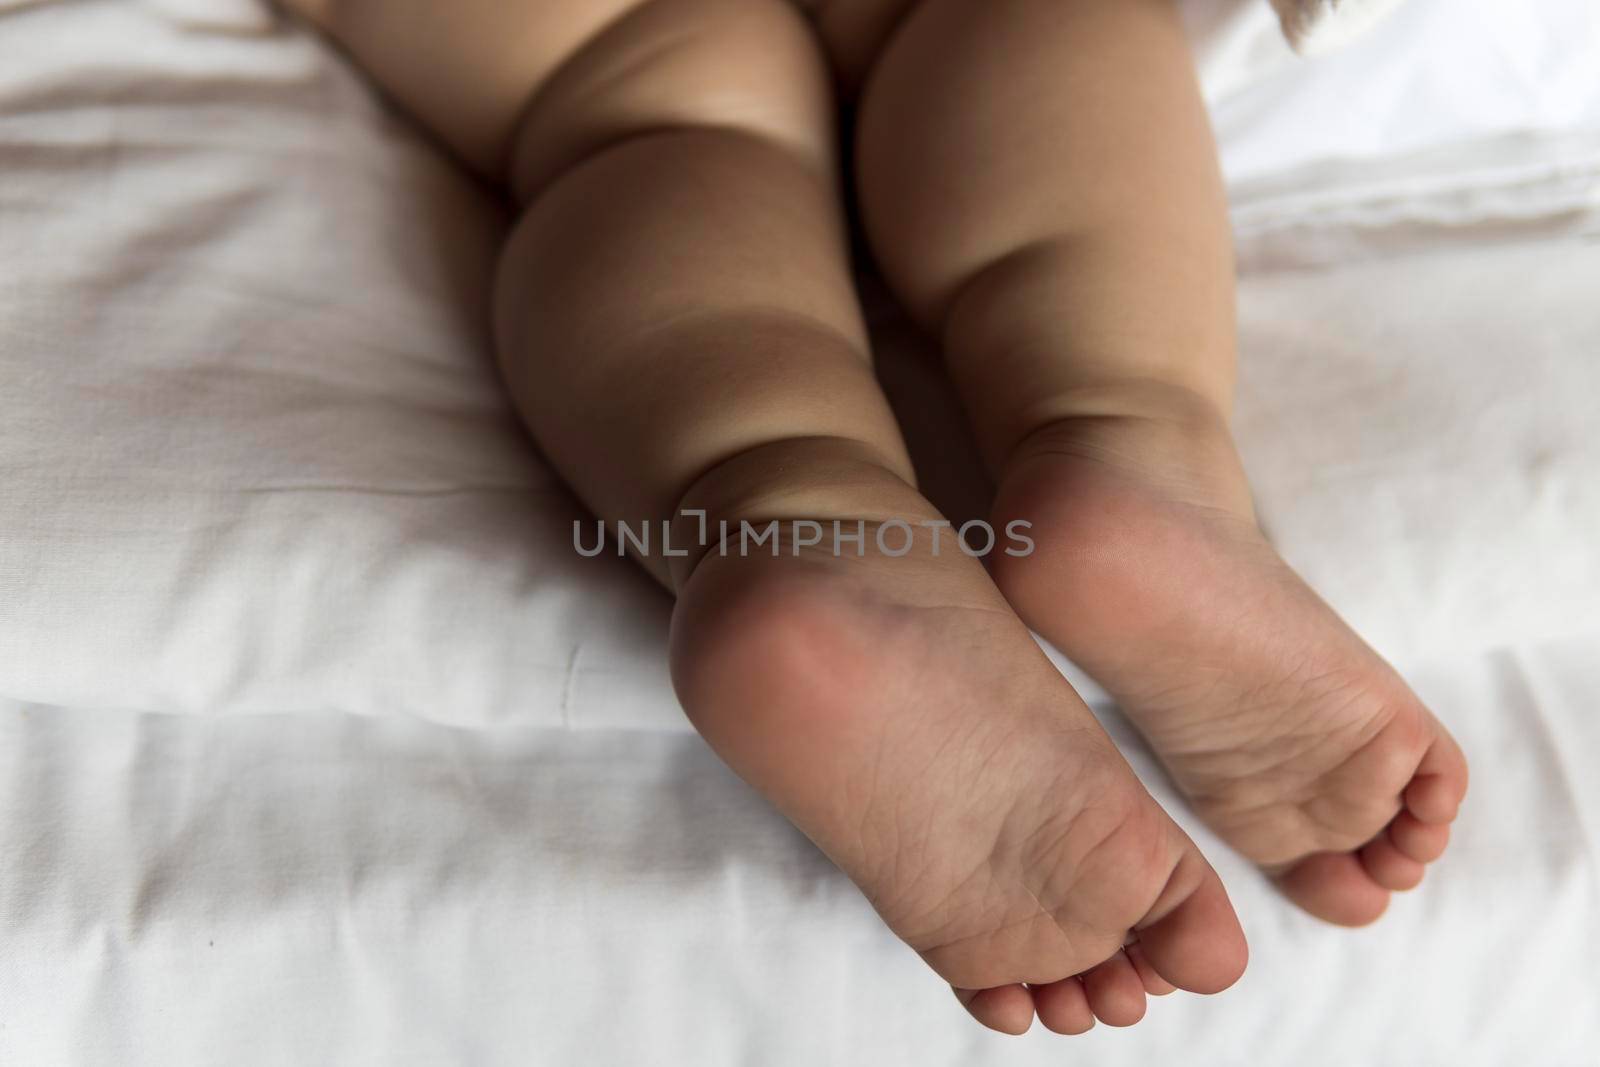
1436	77
287	890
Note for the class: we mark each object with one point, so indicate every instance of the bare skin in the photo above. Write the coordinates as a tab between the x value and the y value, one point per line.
1096	359
677	322
1290	736
900	714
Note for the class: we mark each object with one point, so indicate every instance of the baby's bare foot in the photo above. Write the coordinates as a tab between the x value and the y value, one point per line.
899	713
1293	740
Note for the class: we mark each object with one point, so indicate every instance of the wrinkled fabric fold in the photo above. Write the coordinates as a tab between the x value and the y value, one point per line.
1313	26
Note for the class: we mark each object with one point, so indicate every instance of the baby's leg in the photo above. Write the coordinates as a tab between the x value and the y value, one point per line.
677	322
1039	184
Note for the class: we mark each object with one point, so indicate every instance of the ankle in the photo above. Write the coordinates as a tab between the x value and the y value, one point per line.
1162	407
818	479
1034	338
1152	433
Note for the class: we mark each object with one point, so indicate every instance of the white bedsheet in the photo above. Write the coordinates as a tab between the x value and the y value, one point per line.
314	889
253	459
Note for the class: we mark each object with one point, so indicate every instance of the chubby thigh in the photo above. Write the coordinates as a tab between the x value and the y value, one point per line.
468	70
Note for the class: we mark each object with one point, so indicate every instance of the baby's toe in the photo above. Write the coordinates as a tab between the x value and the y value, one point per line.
1115	992
1197	943
1063	1006
1006	1008
1154	984
1423	842
1335	887
1388	866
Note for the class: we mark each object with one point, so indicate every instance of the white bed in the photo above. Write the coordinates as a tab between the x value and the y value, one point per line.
319	744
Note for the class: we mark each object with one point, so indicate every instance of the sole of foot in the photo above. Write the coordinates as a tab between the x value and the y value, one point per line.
1292	739
899	713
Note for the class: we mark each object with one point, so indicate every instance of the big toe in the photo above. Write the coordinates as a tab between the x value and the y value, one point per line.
1335	887
1194	940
